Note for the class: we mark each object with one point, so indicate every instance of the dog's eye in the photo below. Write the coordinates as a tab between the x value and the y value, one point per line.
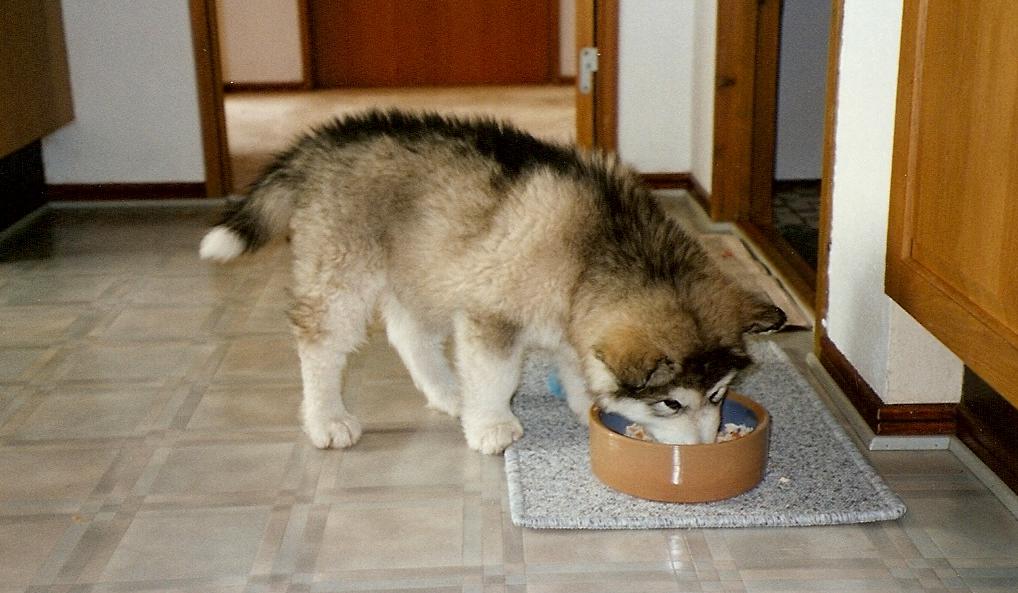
672	404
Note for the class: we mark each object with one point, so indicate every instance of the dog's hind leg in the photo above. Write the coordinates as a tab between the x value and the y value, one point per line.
489	359
422	350
328	329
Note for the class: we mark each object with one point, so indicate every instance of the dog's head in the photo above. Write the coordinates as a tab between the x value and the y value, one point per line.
665	360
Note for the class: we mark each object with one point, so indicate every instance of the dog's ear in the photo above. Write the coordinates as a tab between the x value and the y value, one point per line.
766	318
637	368
763	317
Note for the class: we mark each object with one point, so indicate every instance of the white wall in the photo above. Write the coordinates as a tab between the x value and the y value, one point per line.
135	99
900	360
654	86
705	20
802	79
260	41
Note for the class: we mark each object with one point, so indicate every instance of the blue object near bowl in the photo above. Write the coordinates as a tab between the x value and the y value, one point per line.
555	386
731	412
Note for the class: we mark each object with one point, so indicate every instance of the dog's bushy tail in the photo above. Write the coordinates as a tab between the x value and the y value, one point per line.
251	222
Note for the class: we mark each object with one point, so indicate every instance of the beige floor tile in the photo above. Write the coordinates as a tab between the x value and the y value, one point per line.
90	413
392	537
241	320
216	469
754	548
392	405
247	408
395	459
37	325
188	544
140	323
26	543
963	525
58	289
268	358
50	473
589	547
132	362
210	290
20	364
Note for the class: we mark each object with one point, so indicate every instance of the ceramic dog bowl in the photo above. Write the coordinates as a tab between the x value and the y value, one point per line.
682	473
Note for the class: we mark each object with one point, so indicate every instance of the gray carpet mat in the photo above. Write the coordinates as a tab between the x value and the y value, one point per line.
815	474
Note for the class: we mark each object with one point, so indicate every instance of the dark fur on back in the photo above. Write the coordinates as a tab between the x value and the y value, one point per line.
514	151
631	237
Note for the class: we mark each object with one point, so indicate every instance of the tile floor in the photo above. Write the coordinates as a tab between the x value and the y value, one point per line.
148	442
796	207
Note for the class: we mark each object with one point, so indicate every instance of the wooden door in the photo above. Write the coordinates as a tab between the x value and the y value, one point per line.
952	259
387	43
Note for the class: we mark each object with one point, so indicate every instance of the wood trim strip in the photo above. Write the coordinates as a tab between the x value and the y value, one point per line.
112	192
885	419
606	133
701	195
757	206
303	9
667	180
243	87
985	443
822	299
986	424
584	103
205	39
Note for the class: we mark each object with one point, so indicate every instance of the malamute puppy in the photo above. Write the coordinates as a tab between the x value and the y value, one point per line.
475	230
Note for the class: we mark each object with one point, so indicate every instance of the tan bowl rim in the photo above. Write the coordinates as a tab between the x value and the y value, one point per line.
761	424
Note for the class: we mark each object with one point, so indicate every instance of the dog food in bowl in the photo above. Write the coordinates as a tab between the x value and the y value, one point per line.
683	473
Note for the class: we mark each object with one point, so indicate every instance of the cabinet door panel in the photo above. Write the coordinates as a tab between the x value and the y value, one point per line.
952	243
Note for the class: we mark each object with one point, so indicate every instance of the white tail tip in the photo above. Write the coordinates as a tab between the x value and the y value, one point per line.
221	245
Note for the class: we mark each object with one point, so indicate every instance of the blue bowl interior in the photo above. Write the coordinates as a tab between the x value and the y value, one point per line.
731	412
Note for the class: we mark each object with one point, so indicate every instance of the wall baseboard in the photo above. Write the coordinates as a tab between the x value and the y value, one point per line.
986	424
667	180
885	419
241	87
106	192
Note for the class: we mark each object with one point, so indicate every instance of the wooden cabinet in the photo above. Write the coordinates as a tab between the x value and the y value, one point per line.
35	94
952	259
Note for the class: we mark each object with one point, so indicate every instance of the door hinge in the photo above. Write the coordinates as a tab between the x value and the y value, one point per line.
588	66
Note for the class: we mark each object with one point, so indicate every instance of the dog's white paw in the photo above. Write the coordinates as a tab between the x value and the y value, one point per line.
492	439
336	433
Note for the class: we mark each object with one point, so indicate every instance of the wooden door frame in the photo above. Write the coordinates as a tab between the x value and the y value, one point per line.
745	124
597	25
599	116
209	74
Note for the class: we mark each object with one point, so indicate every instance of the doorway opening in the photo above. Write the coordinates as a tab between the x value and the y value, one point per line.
254	102
771	120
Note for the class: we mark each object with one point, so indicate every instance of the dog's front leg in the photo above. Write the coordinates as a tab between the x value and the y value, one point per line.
570	376
489	359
